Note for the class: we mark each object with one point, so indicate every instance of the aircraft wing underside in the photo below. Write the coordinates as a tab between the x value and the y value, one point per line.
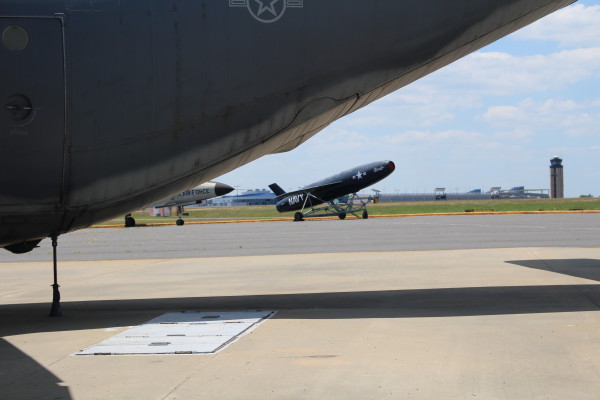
308	190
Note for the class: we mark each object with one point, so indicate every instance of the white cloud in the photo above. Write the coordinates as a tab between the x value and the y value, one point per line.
504	74
438	98
432	137
552	115
339	140
576	25
517	134
406	109
524	110
511	114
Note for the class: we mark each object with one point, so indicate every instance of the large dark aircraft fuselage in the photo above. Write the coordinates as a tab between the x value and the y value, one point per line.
109	105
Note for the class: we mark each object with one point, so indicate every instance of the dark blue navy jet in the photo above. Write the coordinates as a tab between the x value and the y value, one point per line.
338	192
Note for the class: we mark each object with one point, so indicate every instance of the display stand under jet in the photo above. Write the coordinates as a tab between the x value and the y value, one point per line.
195	195
338	192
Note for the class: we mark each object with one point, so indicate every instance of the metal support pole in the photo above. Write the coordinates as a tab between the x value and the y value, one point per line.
56	310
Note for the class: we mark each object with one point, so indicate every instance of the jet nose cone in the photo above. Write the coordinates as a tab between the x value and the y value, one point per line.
222	189
391	166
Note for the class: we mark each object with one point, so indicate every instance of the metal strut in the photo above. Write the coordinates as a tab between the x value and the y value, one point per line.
330	208
56	310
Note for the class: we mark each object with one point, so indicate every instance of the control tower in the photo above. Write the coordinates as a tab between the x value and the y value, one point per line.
557	186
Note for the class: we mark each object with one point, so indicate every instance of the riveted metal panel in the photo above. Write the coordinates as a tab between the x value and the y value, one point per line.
32	110
181	333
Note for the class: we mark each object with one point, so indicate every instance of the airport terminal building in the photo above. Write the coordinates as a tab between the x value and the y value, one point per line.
256	197
265	197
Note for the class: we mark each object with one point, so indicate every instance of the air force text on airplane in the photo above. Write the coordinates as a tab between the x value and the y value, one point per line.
196	192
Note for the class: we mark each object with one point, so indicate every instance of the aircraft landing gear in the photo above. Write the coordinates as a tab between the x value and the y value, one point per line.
129	221
365	214
55	310
180	213
298	217
342	215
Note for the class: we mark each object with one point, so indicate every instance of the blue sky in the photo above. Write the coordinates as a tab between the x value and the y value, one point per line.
494	118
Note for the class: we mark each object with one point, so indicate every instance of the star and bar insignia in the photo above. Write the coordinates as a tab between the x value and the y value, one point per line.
267	11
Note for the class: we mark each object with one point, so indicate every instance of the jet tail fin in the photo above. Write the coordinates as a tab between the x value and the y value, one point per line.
276	189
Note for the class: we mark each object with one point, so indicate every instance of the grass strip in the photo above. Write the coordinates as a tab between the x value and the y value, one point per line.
224	214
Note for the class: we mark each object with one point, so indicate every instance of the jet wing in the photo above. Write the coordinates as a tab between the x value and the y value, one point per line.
308	190
173	203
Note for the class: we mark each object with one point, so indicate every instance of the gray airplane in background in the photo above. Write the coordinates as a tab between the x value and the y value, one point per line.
109	106
195	195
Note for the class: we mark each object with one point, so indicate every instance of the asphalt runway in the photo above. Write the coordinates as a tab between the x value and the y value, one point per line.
322	236
489	307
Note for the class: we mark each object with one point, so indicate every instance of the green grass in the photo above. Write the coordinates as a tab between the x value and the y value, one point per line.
432	207
421	207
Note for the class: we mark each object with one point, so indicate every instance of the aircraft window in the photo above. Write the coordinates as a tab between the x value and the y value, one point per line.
15	38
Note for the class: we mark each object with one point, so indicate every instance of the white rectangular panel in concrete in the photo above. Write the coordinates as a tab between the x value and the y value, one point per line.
186	332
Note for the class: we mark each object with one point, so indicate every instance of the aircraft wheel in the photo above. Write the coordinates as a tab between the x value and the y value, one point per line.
342	215
129	222
365	214
179	222
298	216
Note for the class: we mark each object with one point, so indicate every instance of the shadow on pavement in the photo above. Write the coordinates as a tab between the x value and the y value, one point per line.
581	268
28	318
24	378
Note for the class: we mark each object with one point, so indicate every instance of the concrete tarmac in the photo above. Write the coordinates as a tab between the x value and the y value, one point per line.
521	322
322	236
